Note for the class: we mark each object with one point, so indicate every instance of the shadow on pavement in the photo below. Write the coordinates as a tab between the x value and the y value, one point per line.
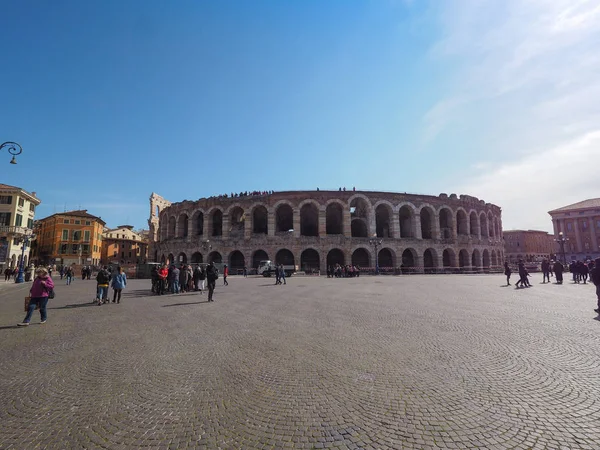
8	327
75	305
184	304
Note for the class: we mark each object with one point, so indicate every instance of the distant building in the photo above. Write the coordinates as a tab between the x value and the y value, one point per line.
580	224
122	245
17	210
71	237
528	245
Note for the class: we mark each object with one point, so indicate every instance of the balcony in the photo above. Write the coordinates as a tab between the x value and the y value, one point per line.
9	230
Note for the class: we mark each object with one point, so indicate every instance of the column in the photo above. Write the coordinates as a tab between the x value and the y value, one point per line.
225	227
322	223
555	226
454	224
347	218
417	226
578	236
207	229
271	222
296	223
395	231
248	228
437	232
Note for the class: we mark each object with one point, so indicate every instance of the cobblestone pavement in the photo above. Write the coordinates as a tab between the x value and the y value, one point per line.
378	363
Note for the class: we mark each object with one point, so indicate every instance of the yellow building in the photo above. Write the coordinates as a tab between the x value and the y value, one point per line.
72	237
17	210
124	246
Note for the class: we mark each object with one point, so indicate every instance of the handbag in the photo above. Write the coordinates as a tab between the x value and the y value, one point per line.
51	293
26	305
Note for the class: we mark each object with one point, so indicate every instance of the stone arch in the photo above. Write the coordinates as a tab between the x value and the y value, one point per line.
237	218
310	260
334	217
476	259
474	223
491	231
446	222
462	222
285	257
215	257
360	211
216	222
284	216
236	260
170	259
198	223
182	225
361	257
449	258
409	260
483	225
336	256
486	259
196	258
359	228
406	216
387	257
494	258
182	258
464	260
430	260
309	218
260	219
172	227
427	215
258	256
383	219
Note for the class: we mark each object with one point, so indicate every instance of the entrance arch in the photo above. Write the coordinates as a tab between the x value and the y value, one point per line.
257	257
197	258
463	258
486	259
236	260
386	258
409	260
476	259
198	223
462	223
449	258
430	260
182	258
284	218
217	223
309	220
361	258
406	217
336	256
310	261
359	217
260	220
215	257
446	221
383	214
334	220
285	257
474	223
427	223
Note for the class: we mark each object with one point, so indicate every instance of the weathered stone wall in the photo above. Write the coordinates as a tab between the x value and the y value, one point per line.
415	230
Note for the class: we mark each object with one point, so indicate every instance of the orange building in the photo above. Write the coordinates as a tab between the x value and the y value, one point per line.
72	237
122	245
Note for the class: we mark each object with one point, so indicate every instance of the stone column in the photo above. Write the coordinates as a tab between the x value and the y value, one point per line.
296	222
578	236
395	229
417	226
225	226
371	223
248	227
347	218
436	232
454	224
322	223
207	230
555	226
271	222
561	225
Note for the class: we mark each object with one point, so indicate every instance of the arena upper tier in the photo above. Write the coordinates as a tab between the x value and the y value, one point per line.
315	229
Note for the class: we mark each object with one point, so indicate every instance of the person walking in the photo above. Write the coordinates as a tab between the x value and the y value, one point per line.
211	277
558	272
175	280
69	275
595	278
545	271
277	278
507	272
245	272
39	293
225	273
281	274
119	281
102	282
182	278
163	274
196	277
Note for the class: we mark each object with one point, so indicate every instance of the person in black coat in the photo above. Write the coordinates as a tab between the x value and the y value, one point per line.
558	272
507	272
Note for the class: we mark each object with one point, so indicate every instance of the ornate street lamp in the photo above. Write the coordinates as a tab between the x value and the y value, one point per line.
25	239
561	239
14	149
375	242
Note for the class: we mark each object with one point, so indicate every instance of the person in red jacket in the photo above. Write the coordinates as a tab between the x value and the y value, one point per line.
225	273
40	289
163	273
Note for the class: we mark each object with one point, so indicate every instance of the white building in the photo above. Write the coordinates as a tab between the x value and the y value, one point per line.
17	210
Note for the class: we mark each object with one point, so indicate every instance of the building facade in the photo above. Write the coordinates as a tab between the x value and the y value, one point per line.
580	224
122	245
17	212
72	237
316	229
528	245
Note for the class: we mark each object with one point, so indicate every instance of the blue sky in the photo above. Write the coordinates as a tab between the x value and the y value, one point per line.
113	100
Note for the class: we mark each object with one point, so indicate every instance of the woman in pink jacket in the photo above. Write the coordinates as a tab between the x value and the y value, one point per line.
42	285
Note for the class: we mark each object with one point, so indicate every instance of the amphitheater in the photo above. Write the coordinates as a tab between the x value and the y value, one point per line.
315	229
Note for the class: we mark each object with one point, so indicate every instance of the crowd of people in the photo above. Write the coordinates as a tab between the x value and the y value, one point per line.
244	194
339	271
177	280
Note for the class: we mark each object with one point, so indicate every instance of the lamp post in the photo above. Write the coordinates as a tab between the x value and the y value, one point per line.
375	242
561	239
14	149
24	240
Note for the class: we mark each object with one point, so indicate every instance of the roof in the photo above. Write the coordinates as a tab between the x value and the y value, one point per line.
524	231
586	204
31	195
8	186
77	213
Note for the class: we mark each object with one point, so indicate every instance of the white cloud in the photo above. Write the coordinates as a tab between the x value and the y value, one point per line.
528	76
